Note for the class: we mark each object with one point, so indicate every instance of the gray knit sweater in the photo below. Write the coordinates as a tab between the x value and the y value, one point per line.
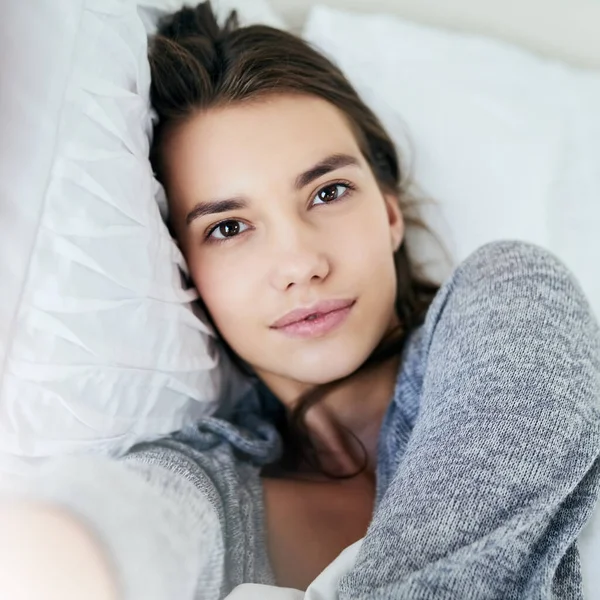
488	463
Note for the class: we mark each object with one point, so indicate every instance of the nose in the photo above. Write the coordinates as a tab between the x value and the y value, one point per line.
297	258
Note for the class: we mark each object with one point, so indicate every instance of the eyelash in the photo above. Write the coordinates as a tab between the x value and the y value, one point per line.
350	187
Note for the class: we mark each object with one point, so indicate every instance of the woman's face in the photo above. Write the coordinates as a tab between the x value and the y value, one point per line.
298	219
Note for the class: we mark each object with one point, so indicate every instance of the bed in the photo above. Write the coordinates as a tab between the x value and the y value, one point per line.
552	48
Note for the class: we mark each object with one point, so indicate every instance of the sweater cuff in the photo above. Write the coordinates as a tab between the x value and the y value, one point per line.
160	534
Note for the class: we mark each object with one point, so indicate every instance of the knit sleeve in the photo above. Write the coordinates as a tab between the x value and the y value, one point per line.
159	529
502	469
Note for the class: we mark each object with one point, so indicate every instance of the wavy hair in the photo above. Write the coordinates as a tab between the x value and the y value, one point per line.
198	64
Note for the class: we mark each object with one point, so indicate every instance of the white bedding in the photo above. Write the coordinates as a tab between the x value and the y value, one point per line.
524	133
100	345
566	30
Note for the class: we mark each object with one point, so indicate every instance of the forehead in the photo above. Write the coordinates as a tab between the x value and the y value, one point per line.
278	136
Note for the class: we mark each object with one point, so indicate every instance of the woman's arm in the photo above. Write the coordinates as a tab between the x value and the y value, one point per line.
502	468
45	553
107	529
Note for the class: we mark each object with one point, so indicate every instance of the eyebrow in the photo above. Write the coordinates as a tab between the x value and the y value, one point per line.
216	206
331	163
328	164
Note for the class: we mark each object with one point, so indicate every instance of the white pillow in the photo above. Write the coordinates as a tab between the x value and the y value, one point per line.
507	142
99	347
257	11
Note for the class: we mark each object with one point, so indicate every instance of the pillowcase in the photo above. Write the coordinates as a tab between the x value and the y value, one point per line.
257	11
507	143
100	344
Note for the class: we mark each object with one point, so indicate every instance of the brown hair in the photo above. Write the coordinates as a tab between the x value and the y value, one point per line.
196	64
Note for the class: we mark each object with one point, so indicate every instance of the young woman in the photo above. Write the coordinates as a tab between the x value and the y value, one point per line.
456	429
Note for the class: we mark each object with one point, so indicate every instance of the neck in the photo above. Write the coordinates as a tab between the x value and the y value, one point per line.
346	422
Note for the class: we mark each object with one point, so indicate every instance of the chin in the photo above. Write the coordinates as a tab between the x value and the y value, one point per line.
322	371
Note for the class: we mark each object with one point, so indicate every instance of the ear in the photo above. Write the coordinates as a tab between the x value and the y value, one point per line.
395	220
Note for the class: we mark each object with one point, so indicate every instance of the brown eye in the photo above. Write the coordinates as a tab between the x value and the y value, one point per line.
226	230
331	193
229	228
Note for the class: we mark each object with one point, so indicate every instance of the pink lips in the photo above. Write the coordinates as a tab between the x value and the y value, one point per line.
316	320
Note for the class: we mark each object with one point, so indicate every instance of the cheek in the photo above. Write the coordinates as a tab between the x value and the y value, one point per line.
225	292
365	245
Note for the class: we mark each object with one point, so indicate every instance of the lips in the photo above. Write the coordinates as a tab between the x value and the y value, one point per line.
321	308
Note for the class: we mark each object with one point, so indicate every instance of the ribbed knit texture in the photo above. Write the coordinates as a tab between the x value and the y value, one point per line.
489	457
488	462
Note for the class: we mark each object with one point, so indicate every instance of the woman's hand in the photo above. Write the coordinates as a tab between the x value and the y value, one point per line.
46	554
